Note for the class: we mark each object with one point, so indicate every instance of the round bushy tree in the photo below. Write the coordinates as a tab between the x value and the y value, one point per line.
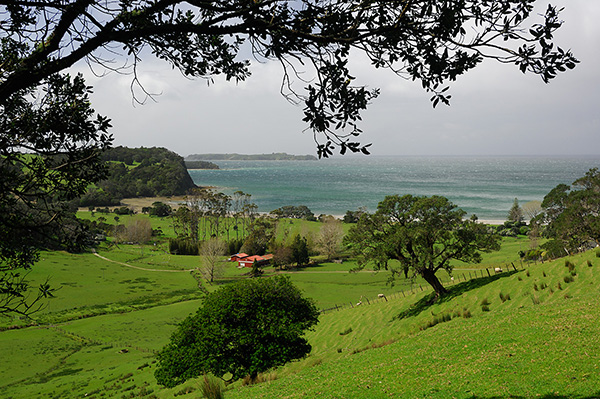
242	329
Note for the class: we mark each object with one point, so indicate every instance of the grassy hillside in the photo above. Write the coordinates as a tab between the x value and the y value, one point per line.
542	342
99	335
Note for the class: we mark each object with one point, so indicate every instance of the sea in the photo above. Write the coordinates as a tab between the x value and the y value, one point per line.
482	185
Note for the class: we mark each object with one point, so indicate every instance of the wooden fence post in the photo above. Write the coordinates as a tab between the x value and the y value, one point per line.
488	271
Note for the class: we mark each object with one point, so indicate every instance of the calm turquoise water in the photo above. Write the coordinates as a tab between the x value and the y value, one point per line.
485	186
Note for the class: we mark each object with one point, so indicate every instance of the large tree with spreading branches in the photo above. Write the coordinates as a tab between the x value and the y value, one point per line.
422	235
429	41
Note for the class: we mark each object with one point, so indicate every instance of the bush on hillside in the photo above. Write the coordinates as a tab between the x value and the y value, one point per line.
123	210
554	249
244	328
181	246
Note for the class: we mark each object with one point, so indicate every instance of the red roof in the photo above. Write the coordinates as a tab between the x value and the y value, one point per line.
249	260
235	257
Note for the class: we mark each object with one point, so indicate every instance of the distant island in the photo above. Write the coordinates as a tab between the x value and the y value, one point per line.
200	164
279	156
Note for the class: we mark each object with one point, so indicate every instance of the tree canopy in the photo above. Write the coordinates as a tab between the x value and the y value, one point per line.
45	112
423	234
139	172
571	212
515	214
430	41
244	328
49	152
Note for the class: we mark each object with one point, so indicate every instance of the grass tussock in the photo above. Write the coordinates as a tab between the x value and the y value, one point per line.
568	279
374	346
261	378
438	319
504	298
464	313
346	331
184	391
485	305
570	265
211	388
314	361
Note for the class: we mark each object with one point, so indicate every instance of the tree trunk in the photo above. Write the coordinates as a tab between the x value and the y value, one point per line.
432	279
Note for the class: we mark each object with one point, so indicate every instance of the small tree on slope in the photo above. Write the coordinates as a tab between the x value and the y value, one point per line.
242	329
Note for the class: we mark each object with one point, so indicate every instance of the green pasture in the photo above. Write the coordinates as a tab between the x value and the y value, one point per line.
542	342
87	285
99	335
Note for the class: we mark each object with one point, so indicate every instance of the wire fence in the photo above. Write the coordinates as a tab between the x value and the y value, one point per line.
455	278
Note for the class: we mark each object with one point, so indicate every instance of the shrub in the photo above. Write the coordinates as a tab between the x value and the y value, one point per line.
123	211
568	279
554	249
181	246
234	245
589	263
532	254
485	308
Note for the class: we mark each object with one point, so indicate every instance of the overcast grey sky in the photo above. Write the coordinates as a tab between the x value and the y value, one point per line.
495	109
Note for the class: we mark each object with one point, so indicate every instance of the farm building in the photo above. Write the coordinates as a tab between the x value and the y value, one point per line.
237	257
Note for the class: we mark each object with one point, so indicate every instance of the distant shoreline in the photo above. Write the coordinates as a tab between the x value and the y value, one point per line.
279	156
